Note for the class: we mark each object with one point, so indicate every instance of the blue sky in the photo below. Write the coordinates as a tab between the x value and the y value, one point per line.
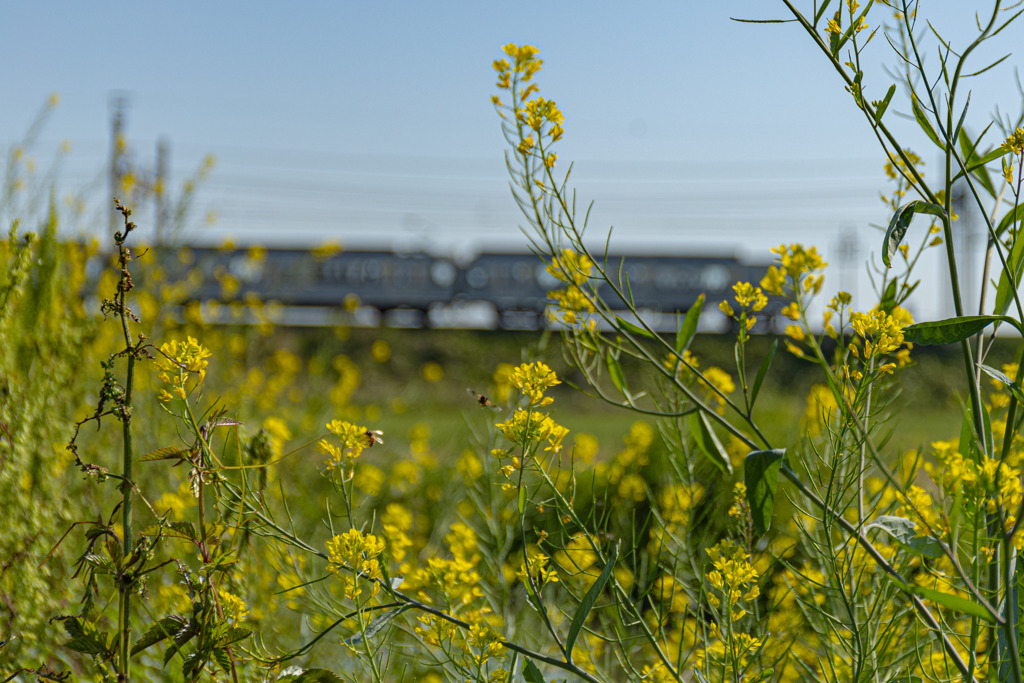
369	122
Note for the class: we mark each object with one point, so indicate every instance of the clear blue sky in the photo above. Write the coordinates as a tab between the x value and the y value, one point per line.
369	122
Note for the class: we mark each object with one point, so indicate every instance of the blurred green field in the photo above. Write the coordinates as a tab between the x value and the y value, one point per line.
930	402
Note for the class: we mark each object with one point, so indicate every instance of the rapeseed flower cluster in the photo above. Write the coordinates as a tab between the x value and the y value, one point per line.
835	27
356	553
1014	144
733	577
878	334
798	271
526	428
532	380
177	363
538	115
574	270
992	484
750	301
352	441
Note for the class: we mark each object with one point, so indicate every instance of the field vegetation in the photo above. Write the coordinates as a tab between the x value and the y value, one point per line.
194	501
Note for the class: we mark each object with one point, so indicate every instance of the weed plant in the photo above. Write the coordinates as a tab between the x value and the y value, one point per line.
227	508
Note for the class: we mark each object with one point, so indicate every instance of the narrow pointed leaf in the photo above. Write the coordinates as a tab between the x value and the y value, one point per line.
377	625
318	676
904	531
587	604
689	327
708	442
960	123
884	103
924	123
1004	379
633	329
761	475
164	628
953	602
1009	219
970	154
167	453
821	11
1007	287
615	372
952	330
888	301
762	371
899	224
975	163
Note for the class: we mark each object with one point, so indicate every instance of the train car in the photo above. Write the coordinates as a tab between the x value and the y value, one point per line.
514	285
384	280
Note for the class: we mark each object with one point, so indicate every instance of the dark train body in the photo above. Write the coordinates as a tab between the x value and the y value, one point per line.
516	285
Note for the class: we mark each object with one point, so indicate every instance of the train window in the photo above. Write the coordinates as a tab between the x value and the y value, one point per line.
522	272
477	277
245	268
442	273
714	277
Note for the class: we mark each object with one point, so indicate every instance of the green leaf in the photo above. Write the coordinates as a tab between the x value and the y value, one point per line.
375	626
922	120
761	475
953	602
904	531
888	301
318	676
762	371
164	628
531	674
1014	262
183	530
296	674
1010	218
87	644
103	564
708	442
968	445
952	330
233	635
884	103
167	453
615	372
974	163
689	327
899	224
587	604
634	329
1002	377
821	11
970	154
223	659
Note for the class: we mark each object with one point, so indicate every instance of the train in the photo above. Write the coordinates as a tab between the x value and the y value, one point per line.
513	286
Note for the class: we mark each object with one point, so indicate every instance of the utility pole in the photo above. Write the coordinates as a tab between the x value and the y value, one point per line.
848	250
118	106
160	189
